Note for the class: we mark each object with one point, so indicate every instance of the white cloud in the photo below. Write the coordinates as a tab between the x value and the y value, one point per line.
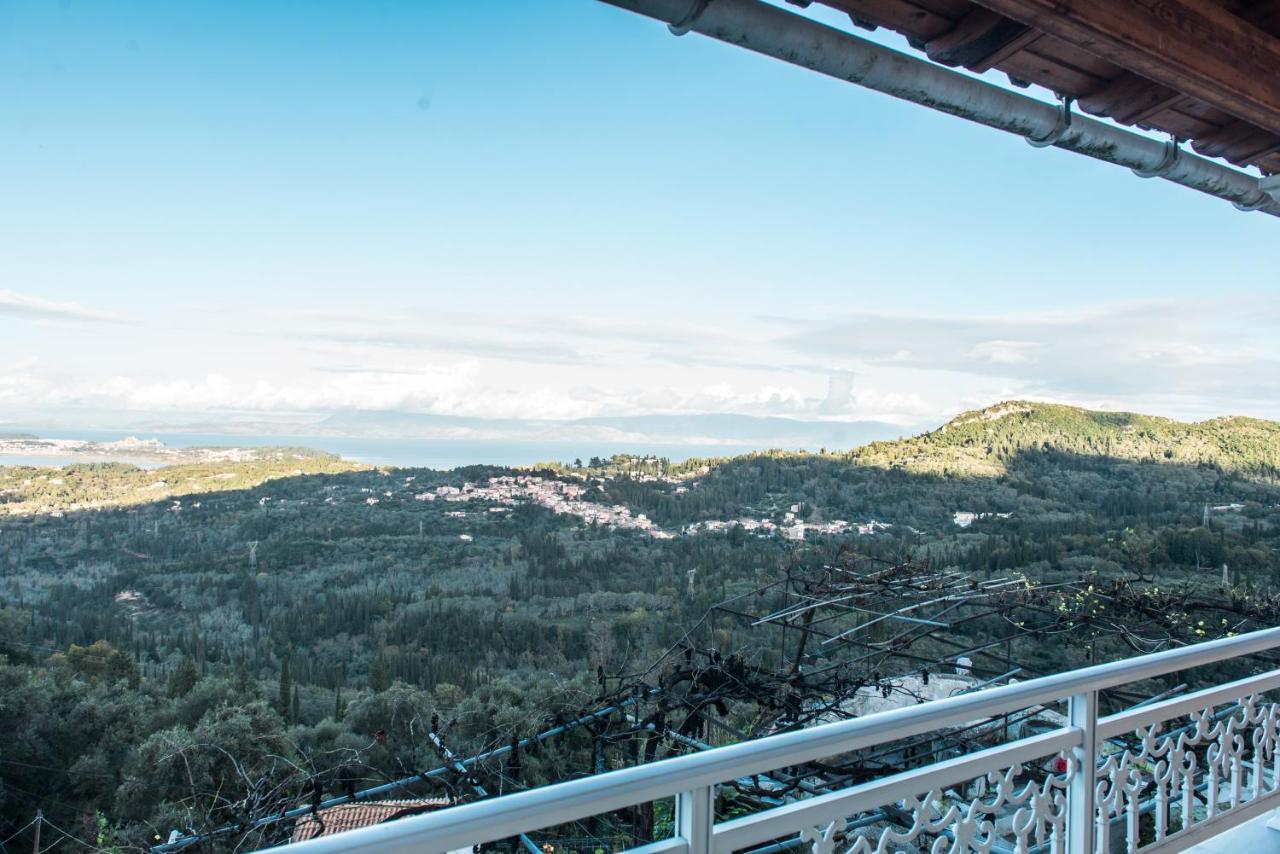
37	308
1005	352
1200	354
900	407
1178	357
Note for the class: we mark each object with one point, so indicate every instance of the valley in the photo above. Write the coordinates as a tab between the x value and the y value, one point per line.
159	624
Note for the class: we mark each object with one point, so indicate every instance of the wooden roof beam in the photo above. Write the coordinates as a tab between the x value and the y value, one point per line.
1264	15
1196	48
1130	99
1239	142
912	21
1259	159
980	40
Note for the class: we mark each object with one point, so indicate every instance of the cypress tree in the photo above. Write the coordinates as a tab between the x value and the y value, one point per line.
244	681
283	702
379	675
184	678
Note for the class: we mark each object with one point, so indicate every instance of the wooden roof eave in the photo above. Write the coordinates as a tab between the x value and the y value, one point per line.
1196	69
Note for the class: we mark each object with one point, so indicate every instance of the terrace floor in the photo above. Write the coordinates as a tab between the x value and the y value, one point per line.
1252	837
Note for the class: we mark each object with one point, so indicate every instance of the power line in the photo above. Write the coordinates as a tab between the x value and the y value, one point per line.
19	831
70	836
441	773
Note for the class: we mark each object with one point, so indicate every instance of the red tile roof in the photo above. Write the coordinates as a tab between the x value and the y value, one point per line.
350	816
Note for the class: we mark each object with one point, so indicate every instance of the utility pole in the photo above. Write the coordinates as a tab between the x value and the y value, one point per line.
39	822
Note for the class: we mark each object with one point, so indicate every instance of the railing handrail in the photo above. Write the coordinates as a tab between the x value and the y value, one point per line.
500	818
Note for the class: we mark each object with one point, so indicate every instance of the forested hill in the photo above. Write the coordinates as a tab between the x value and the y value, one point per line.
985	440
170	636
27	490
1044	461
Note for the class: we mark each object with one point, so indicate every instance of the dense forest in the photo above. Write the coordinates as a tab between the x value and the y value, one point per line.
174	642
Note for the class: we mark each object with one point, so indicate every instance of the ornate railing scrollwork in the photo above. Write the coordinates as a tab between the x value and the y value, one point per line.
1011	810
1217	761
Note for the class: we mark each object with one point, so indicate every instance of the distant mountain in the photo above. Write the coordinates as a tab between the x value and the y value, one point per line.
744	430
139	451
984	440
416	425
763	432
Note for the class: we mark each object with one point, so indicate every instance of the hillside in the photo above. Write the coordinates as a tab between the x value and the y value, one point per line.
28	490
984	441
1045	462
294	606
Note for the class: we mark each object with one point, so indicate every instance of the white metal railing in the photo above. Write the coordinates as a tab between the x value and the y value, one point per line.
1204	762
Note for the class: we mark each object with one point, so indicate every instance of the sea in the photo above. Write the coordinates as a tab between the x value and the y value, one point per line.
405	453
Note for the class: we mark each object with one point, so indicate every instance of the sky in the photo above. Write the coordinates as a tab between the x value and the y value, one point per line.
239	212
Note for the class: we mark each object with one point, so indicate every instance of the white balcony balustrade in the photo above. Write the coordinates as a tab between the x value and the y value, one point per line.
1159	777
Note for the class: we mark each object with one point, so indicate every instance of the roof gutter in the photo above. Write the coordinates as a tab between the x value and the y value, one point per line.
784	35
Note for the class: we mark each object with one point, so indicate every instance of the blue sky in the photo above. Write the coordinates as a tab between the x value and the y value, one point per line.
558	209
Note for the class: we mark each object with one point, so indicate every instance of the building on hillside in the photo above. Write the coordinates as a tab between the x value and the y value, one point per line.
915	688
361	814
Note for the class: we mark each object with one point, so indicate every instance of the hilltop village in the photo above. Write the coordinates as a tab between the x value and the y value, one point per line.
564	498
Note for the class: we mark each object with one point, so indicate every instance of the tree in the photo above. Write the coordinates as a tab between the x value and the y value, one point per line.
184	678
244	681
284	701
100	661
13	629
379	675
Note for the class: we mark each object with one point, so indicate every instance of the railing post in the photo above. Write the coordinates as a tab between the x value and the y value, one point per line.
695	815
1082	825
